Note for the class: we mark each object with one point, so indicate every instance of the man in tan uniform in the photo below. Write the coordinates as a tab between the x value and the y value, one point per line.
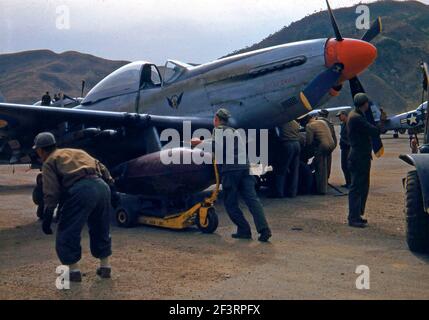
82	184
323	115
319	137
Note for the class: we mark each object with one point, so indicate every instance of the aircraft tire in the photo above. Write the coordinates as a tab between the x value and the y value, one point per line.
213	222
402	131
417	220
126	218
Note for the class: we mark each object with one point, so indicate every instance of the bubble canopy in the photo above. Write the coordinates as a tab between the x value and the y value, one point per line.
126	79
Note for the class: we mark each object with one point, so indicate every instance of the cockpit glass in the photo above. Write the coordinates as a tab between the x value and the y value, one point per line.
156	79
125	79
172	71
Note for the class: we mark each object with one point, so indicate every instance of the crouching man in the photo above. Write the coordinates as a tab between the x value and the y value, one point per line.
82	182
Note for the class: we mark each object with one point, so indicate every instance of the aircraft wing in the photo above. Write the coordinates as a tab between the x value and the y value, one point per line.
330	110
45	117
20	123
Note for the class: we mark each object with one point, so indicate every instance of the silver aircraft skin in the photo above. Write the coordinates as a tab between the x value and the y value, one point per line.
248	84
121	117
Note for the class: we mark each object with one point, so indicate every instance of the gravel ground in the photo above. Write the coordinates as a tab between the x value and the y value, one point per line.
313	253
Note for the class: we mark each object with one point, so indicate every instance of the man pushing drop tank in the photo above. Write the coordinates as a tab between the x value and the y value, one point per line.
236	179
82	183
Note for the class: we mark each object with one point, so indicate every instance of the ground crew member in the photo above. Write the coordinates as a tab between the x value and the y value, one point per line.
288	166
46	99
236	179
360	132
323	115
345	147
319	138
79	181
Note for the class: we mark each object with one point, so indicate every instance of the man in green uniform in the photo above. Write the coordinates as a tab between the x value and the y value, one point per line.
287	167
236	179
82	184
360	132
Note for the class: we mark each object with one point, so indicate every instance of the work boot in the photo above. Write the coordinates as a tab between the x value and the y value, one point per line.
363	220
265	235
357	224
75	276
104	272
239	235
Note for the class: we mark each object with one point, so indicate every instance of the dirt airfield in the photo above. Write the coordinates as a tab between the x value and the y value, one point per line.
313	254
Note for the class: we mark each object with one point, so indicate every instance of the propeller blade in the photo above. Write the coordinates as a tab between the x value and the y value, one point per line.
334	23
356	86
425	69
320	86
375	30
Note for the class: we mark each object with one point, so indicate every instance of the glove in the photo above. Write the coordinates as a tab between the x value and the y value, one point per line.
47	220
115	198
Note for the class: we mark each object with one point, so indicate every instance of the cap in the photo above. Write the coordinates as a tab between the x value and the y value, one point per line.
342	112
360	99
223	114
324	113
43	140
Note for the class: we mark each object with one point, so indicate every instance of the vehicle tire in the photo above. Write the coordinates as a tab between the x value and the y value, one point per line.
126	218
417	220
213	222
395	136
402	131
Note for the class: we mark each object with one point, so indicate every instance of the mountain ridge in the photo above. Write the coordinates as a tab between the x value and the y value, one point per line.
394	80
25	76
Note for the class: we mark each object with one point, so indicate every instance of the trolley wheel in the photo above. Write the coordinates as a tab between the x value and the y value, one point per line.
126	218
212	221
417	220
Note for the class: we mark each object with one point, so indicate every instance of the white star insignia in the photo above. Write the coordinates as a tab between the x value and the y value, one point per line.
412	119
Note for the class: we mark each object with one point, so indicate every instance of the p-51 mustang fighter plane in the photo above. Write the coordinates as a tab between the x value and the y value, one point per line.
411	121
121	117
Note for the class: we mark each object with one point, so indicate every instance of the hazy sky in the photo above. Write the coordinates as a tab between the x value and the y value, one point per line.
154	30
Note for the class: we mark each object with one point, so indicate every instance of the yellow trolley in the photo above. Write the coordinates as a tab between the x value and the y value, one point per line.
202	214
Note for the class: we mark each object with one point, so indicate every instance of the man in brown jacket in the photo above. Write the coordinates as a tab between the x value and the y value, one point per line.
319	137
82	184
323	115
